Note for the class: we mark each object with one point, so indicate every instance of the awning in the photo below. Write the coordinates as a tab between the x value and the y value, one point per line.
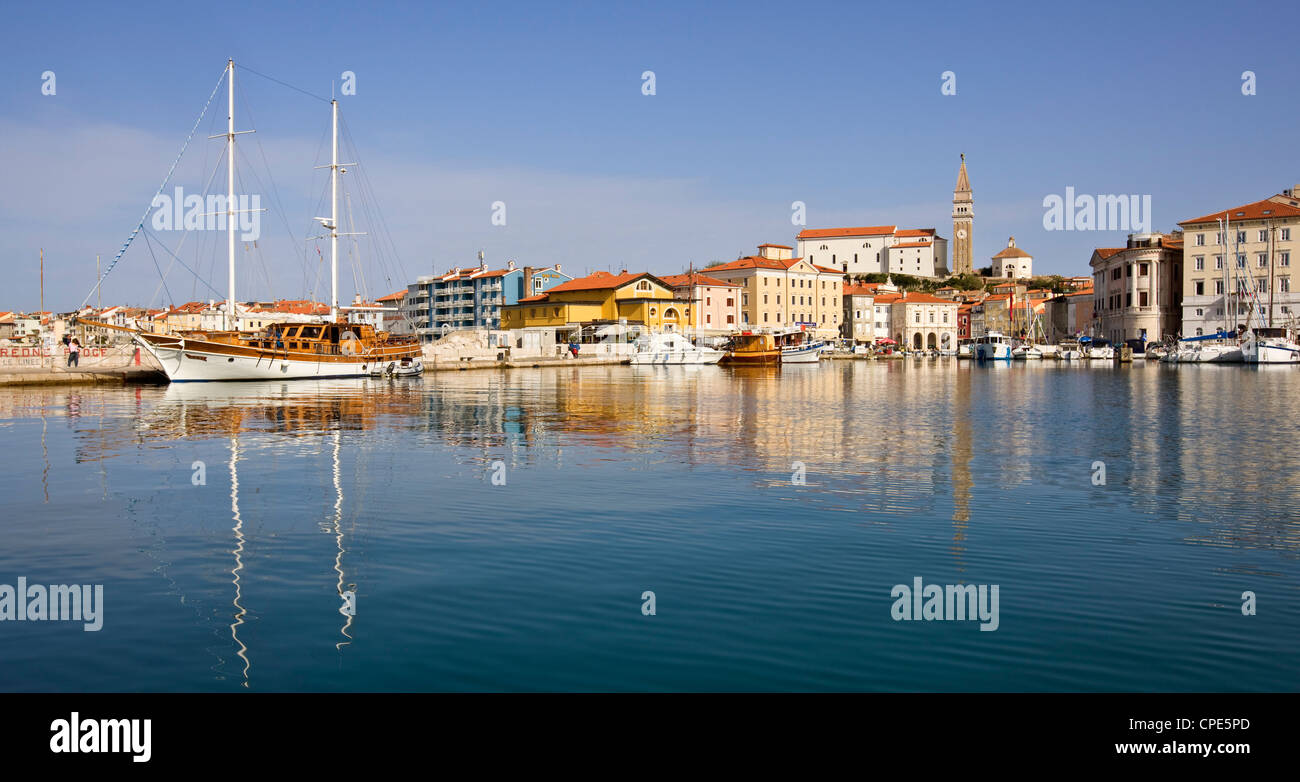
887	340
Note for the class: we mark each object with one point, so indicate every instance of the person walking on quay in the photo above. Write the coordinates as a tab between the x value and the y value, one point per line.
74	352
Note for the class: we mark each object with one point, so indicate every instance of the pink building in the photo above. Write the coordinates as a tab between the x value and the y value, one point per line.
715	304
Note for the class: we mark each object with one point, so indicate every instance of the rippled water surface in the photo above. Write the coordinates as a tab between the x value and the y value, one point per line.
621	480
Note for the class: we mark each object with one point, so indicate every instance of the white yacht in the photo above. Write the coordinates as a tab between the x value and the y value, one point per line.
1219	348
1270	346
993	346
672	348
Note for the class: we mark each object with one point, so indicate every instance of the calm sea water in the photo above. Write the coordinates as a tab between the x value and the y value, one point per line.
622	480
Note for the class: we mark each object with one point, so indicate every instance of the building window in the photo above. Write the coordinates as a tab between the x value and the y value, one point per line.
1199	263
1263	260
1284	259
1241	237
1200	240
1218	261
1200	287
1218	287
1263	235
1199	312
1284	284
1142	298
1142	269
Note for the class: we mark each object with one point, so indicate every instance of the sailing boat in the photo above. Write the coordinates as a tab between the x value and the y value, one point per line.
282	351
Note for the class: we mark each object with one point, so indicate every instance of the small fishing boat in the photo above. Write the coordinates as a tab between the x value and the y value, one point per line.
752	349
406	366
672	348
1026	352
797	347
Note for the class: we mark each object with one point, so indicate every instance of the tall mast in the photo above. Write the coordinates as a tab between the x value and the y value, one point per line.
334	215
1272	248
231	321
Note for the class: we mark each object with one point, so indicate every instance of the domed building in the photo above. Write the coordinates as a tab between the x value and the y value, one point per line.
1013	262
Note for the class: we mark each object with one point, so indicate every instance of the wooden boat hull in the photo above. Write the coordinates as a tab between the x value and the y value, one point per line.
192	360
757	358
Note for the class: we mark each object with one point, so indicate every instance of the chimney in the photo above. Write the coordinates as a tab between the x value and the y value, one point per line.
510	264
557	267
528	281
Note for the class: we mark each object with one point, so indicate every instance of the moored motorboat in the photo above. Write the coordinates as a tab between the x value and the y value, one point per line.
993	346
1264	345
403	367
672	348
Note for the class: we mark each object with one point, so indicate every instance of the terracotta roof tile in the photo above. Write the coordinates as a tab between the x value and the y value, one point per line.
832	233
681	280
1259	210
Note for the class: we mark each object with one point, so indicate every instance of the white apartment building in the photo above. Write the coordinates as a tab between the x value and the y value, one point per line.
880	249
1247	274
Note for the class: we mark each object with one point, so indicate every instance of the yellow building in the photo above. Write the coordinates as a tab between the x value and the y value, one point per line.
640	299
778	290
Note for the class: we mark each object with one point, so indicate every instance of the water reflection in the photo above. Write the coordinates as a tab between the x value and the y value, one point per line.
681	476
893	439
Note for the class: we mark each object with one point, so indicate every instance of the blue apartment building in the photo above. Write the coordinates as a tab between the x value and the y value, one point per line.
472	298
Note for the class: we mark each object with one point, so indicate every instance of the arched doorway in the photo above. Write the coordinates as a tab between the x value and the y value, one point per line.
916	340
670	319
932	341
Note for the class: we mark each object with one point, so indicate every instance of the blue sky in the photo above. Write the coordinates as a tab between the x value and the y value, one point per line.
756	105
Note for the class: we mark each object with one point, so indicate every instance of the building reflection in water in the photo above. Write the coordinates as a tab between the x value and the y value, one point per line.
892	442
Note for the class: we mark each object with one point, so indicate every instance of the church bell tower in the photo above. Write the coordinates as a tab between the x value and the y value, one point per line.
963	222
